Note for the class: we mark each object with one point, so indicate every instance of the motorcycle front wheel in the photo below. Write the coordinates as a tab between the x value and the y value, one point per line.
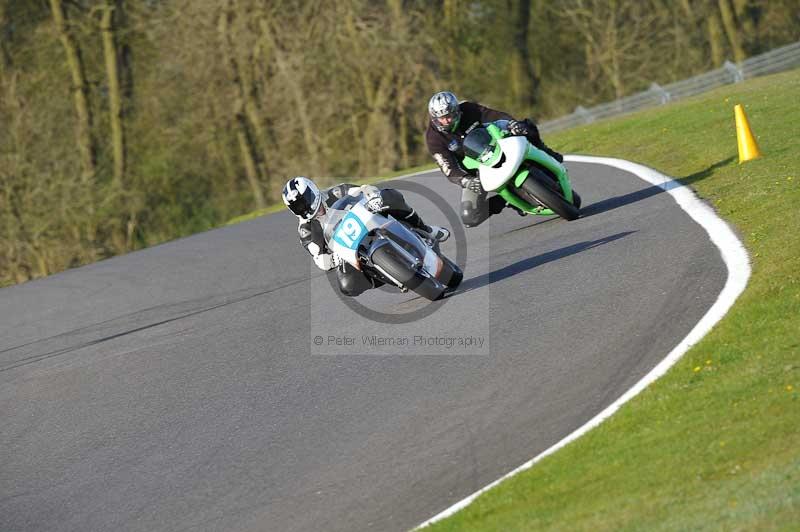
545	190
389	260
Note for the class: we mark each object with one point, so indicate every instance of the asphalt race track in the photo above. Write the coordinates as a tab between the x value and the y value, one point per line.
218	383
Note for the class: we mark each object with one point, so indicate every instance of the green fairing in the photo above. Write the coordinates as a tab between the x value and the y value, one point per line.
470	163
494	131
537	155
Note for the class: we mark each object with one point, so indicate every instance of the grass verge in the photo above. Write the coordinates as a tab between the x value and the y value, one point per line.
715	444
329	182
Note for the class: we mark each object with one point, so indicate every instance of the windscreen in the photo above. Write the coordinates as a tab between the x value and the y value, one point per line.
403	236
335	213
478	144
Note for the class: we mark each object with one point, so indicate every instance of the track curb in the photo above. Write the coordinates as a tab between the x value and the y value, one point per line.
735	257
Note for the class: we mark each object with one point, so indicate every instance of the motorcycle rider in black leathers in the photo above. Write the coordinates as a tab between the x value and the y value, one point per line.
450	121
302	196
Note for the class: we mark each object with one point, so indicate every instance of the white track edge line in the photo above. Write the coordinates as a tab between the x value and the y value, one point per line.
733	254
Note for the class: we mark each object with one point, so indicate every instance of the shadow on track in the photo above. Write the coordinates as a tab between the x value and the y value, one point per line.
538	222
532	262
632	197
616	202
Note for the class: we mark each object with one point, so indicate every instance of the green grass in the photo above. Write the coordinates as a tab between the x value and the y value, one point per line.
714	444
255	214
328	182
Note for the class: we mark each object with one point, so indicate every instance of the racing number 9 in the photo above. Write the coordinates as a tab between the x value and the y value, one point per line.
349	231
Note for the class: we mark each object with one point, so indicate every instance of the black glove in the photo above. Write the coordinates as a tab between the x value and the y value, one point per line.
473	184
518	128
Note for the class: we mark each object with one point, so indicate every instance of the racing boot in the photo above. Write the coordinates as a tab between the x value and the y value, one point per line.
433	232
552	153
440	234
536	139
549	151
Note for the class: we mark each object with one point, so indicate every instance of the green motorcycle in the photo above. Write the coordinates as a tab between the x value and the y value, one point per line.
525	176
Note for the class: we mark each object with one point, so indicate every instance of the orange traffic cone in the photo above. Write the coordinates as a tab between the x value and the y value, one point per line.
748	149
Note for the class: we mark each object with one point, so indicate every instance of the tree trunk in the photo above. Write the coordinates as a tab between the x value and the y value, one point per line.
12	263
121	236
246	145
688	11
731	30
716	40
295	87
524	84
114	95
83	128
249	158
125	58
5	56
261	140
220	147
382	152
80	90
745	20
451	14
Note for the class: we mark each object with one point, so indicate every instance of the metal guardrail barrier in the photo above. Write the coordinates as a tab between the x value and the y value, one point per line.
770	62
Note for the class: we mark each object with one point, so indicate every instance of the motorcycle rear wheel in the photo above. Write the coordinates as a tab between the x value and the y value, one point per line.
451	274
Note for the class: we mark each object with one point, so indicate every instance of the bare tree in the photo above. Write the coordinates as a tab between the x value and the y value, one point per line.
80	90
5	56
524	82
732	29
111	54
290	75
716	38
613	32
249	151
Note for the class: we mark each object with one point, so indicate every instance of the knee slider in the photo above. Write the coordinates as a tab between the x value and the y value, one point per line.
352	285
470	215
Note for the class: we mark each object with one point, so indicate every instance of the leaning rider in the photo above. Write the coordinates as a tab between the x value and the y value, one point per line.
450	121
309	204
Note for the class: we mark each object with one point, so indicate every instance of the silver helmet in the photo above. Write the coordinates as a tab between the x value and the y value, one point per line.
444	111
302	197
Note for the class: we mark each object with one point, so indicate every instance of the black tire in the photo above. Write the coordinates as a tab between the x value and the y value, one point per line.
451	274
576	199
541	187
390	261
430	288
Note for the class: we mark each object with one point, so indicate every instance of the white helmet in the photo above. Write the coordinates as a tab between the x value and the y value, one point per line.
302	197
444	110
